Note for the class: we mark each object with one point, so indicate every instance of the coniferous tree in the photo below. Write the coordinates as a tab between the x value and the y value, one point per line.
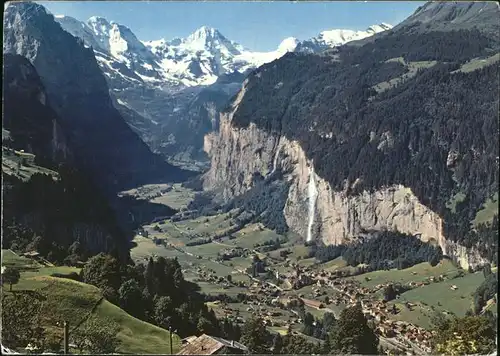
148	276
352	335
389	293
255	336
130	298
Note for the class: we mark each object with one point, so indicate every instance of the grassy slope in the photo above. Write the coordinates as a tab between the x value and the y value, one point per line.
455	301
475	64
412	67
11	259
454	200
137	336
252	234
9	166
178	198
422	270
438	297
333	265
73	301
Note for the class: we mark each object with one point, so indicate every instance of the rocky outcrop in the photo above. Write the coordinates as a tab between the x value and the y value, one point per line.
238	153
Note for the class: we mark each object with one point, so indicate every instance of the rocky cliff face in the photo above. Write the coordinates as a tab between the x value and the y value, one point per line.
396	133
41	211
104	144
332	216
32	123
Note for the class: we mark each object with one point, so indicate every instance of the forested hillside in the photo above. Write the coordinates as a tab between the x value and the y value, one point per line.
157	293
435	130
65	220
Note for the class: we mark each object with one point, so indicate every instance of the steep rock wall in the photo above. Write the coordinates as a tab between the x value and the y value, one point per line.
237	154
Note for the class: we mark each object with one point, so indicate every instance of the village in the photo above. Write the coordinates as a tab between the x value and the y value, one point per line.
273	303
251	270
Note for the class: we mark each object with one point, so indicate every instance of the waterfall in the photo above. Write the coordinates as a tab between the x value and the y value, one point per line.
312	194
275	161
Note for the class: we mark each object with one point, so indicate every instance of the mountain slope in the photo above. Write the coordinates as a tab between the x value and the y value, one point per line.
77	303
443	17
59	217
381	136
102	142
482	15
154	84
28	116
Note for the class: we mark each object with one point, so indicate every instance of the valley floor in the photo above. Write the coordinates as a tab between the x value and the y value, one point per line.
403	323
218	257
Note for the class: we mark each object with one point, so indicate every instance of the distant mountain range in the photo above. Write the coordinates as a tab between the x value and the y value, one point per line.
171	92
198	59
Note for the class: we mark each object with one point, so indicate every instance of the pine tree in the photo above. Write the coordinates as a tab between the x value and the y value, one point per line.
130	298
255	336
352	335
389	293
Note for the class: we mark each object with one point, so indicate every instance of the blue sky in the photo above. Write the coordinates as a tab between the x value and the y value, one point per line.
259	26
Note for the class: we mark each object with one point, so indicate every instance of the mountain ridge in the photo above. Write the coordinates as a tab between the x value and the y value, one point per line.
377	136
448	16
198	59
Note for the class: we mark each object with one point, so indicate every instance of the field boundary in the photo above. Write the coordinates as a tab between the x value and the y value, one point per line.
84	319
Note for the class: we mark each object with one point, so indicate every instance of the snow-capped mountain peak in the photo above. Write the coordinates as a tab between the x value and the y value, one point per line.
379	28
198	59
79	29
100	27
208	38
204	33
339	37
288	45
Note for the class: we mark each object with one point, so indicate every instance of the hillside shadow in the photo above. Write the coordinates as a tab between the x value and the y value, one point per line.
132	213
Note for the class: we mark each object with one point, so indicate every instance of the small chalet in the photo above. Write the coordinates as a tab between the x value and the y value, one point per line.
32	254
211	345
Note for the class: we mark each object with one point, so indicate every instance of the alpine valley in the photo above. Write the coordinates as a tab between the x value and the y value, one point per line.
171	92
337	195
